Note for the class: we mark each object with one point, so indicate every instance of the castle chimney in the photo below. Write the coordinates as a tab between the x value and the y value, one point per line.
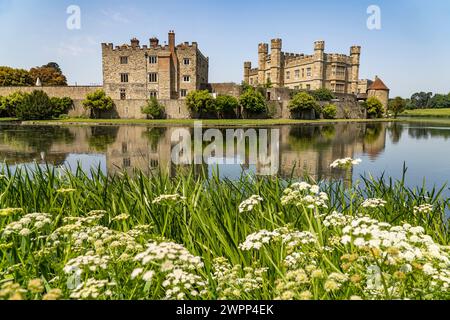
154	42
172	40
134	43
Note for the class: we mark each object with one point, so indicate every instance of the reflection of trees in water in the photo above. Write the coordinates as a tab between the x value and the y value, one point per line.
372	132
302	137
101	137
428	132
153	135
395	132
38	139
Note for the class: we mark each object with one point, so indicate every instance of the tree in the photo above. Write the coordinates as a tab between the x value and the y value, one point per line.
35	106
323	94
397	106
226	104
53	65
253	101
153	109
200	101
421	100
374	107
303	101
329	111
9	103
60	105
49	76
98	101
14	77
439	101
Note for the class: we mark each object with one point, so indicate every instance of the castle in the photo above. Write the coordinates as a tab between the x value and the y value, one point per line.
162	71
336	72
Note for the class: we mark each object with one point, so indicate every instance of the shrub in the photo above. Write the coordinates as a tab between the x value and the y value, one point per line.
329	111
153	109
98	101
35	106
303	101
60	105
323	94
253	101
226	105
200	101
374	107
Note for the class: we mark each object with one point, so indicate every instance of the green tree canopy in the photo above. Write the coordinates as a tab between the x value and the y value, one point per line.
49	75
421	100
34	106
226	104
397	106
253	101
98	101
14	77
329	111
374	107
200	101
323	94
303	101
153	109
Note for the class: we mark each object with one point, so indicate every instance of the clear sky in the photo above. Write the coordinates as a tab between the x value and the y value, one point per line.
410	52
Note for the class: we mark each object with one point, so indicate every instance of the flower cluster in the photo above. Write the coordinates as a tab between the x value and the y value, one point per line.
234	282
32	222
345	163
169	198
93	289
88	262
423	209
305	194
250	203
373	203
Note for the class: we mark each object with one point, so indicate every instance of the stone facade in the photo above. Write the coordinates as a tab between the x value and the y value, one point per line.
166	72
337	72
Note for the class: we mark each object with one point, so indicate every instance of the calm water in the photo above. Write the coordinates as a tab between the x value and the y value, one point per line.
384	147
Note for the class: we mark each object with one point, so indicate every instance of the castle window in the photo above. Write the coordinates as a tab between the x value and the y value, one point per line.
296	87
153	94
308	87
187	61
308	72
186	78
154	163
123	94
124	77
153	77
297	74
124	147
126	162
123	60
251	80
183	93
303	72
288	75
152	59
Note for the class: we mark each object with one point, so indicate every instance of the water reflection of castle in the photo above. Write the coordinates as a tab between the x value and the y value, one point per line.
302	149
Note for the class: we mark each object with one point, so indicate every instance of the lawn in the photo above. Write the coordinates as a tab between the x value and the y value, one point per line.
154	237
445	113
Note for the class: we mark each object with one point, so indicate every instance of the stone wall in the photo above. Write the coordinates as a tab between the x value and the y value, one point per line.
73	92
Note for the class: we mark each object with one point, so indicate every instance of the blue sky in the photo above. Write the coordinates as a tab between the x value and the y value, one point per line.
410	52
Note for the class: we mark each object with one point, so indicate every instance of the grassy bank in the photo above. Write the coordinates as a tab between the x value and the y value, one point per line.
155	237
177	122
444	113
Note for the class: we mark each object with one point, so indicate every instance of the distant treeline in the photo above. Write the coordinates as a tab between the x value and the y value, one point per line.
428	100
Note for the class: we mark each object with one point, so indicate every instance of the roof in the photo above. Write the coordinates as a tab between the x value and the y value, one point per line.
378	84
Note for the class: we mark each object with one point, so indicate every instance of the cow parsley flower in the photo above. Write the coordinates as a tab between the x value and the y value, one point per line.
249	204
345	163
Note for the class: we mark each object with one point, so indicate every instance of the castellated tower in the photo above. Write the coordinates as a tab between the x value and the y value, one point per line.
263	51
355	54
276	63
319	64
247	68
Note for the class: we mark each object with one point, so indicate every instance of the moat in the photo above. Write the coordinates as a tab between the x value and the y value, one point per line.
303	149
